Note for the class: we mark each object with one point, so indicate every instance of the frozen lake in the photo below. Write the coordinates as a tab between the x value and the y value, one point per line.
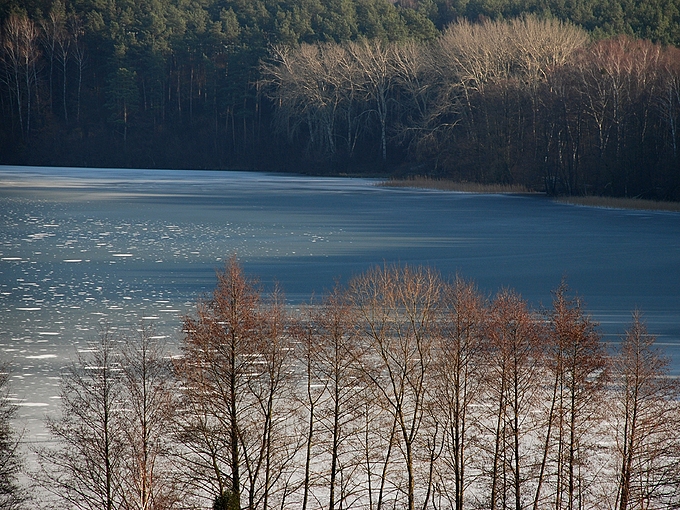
79	246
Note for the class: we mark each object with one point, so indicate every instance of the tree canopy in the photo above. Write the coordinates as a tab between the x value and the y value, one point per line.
193	84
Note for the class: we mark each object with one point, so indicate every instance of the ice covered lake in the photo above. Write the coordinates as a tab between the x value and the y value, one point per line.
82	246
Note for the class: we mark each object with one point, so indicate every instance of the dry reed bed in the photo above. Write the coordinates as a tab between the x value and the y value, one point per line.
587	201
448	185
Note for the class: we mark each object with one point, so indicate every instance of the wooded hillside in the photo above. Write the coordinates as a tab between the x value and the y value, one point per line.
576	98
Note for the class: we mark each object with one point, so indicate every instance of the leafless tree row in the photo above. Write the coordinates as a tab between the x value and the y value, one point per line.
114	437
399	390
525	100
27	46
334	91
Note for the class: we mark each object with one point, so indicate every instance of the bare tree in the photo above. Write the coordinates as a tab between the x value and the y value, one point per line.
513	369
337	377
267	436
308	85
564	126
20	54
577	364
413	81
397	313
84	468
668	101
472	54
619	81
79	55
472	60
217	353
489	77
375	61
309	394
331	91
12	496
236	422
646	420
56	41
457	385
149	391
542	47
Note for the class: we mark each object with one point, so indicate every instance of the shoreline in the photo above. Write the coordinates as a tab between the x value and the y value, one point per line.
636	204
463	187
423	182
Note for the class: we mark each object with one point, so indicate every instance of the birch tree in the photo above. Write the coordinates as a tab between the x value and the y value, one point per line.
20	53
79	55
309	85
375	62
56	40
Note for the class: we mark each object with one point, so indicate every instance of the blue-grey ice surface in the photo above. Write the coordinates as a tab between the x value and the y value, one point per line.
79	247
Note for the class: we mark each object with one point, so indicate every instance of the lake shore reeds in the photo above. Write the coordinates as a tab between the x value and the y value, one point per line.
424	182
622	203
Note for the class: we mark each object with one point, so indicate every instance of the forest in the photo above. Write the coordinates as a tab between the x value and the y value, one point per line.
567	97
402	389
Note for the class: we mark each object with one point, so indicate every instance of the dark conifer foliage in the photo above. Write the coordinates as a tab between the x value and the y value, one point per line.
158	83
578	97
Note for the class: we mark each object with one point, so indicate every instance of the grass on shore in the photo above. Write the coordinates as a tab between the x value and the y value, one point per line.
448	185
622	203
588	201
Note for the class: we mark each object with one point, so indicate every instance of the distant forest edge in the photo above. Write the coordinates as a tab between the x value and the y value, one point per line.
573	98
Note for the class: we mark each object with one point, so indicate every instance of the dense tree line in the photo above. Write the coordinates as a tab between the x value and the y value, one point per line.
160	83
399	390
526	101
175	84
